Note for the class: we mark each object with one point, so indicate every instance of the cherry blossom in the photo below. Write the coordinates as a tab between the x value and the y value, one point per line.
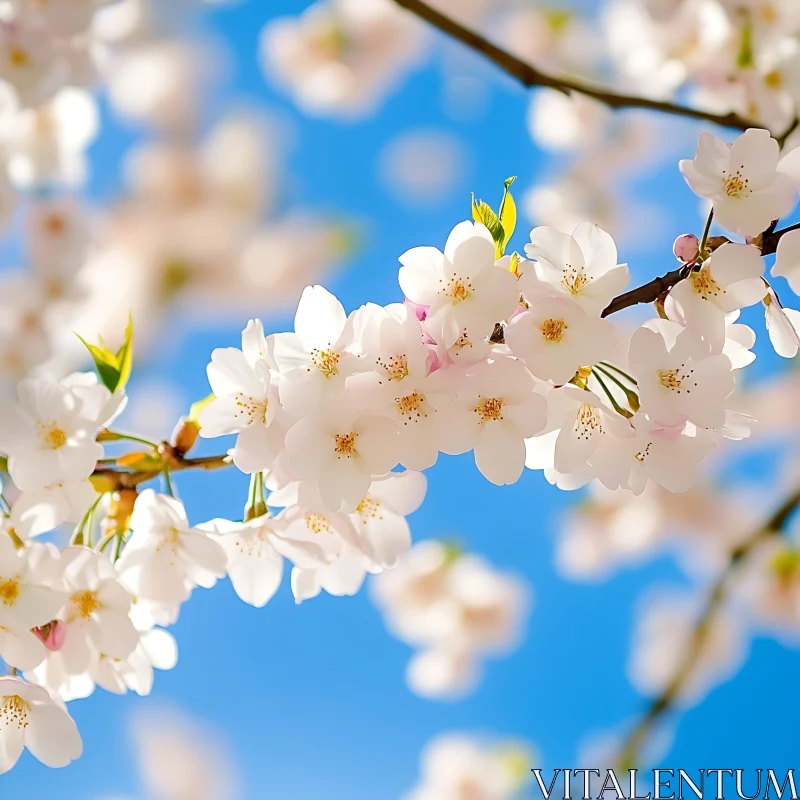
493	413
555	336
165	558
676	379
255	551
464	287
341	452
582	266
30	596
729	280
743	181
46	436
314	361
245	402
582	421
32	719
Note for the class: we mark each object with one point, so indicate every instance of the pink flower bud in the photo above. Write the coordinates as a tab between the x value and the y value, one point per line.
52	635
686	248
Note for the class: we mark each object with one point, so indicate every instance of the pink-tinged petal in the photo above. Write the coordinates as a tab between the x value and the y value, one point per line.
320	317
500	454
756	154
403	492
257	447
342	486
787	261
230	373
12	743
17	429
305	584
782	331
378	445
466	232
700	183
21	648
118	637
713	155
256	579
52	736
344	577
161	648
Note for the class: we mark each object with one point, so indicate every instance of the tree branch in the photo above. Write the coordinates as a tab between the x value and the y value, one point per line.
530	76
112	479
649	292
632	747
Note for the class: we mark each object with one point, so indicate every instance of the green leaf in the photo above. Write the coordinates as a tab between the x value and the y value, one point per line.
482	212
196	408
125	355
114	369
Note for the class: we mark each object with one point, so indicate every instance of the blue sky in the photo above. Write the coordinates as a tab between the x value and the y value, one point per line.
312	699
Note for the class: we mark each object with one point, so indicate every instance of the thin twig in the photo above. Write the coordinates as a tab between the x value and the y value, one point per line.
632	747
117	479
531	77
649	292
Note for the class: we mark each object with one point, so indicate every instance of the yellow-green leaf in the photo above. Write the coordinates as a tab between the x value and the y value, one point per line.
125	355
196	408
508	217
114	369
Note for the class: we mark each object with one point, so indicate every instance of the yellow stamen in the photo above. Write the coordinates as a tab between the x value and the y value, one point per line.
553	330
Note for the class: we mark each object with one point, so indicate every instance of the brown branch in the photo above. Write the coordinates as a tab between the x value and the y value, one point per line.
650	291
530	76
769	242
646	293
112	479
632	747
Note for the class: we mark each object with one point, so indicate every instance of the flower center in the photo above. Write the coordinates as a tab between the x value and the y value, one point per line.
250	408
316	523
411	404
53	436
553	330
575	280
674	379
14	711
736	186
490	408
18	57
705	285
326	361
396	368
458	289
84	604
345	444
369	508
587	421
9	591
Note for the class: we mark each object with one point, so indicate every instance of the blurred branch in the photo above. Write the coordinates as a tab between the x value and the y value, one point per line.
632	746
530	76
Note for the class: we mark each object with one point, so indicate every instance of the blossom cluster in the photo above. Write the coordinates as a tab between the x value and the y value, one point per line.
513	360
